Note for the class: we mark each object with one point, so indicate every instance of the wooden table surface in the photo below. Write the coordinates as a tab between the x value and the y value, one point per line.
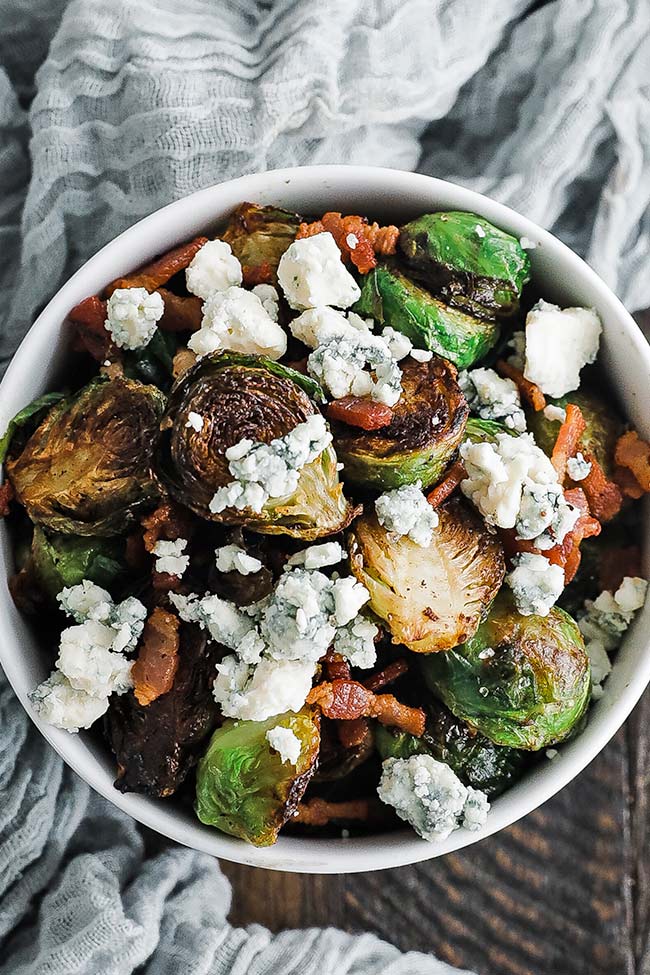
563	892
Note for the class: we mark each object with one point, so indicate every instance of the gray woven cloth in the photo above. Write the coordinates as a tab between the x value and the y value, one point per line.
111	108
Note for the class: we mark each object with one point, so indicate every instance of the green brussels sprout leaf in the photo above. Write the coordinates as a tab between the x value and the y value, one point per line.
154	362
23	418
260	235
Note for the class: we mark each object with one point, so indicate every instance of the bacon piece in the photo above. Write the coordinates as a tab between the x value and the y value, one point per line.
348	699
169	522
357	411
88	318
336	666
634	454
455	474
627	482
357	240
527	390
158	272
568	438
6	497
604	496
253	274
386	676
155	668
353	733
181	314
319	812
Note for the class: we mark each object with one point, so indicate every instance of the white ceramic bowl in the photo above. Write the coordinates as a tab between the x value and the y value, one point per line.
388	195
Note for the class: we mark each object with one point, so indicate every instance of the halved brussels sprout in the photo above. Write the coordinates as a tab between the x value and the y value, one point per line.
86	468
239	397
259	236
430	598
604	426
427	426
242	785
523	681
396	301
481	431
475	759
58	561
467	261
24	417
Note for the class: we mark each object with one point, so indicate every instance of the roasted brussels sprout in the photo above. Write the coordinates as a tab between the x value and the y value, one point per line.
28	414
259	236
523	681
156	745
467	261
57	561
242	785
430	598
396	301
427	426
246	397
604	427
475	759
479	431
86	468
154	362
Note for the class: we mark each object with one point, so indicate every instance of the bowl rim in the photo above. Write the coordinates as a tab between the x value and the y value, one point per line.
307	854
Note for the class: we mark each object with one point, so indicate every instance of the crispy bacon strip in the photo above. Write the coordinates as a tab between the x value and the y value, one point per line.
527	390
357	411
6	497
158	272
336	666
319	812
348	699
88	318
386	676
181	314
155	668
627	482
633	454
353	733
568	438
167	521
448	485
253	274
604	496
357	240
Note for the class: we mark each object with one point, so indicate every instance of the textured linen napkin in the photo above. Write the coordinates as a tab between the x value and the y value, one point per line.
112	108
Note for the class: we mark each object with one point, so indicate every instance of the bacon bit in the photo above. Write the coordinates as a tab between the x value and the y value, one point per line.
356	411
369	239
165	582
90	312
319	812
386	676
336	666
181	314
568	438
353	733
88	318
157	662
383	239
527	390
348	699
628	483
6	497
620	562
253	274
604	496
455	474
634	454
169	522
158	272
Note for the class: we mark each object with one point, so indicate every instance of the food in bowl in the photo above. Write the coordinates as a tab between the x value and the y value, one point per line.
336	524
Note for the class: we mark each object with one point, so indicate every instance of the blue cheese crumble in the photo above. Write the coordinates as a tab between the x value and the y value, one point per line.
213	268
577	467
604	623
194	421
318	556
493	398
340	364
233	558
170	557
560	342
311	273
405	511
270	299
430	796
536	584
263	471
236	319
318	326
285	742
132	316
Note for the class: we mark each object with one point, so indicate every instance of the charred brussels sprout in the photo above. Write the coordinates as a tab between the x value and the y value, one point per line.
523	681
467	261
86	468
430	598
396	301
604	427
427	426
246	397
475	759
259	236
244	788
66	560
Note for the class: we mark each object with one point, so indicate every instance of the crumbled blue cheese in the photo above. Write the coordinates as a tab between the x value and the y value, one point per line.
285	742
318	556
421	355
559	343
514	485
236	319
398	344
479	231
317	326
194	421
527	243
170	558
255	693
233	558
262	471
556	414
226	623
270	299
493	398
517	343
213	268
430	796
91	664
356	642
577	467
339	366
405	511
604	622
132	315
536	583
311	273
